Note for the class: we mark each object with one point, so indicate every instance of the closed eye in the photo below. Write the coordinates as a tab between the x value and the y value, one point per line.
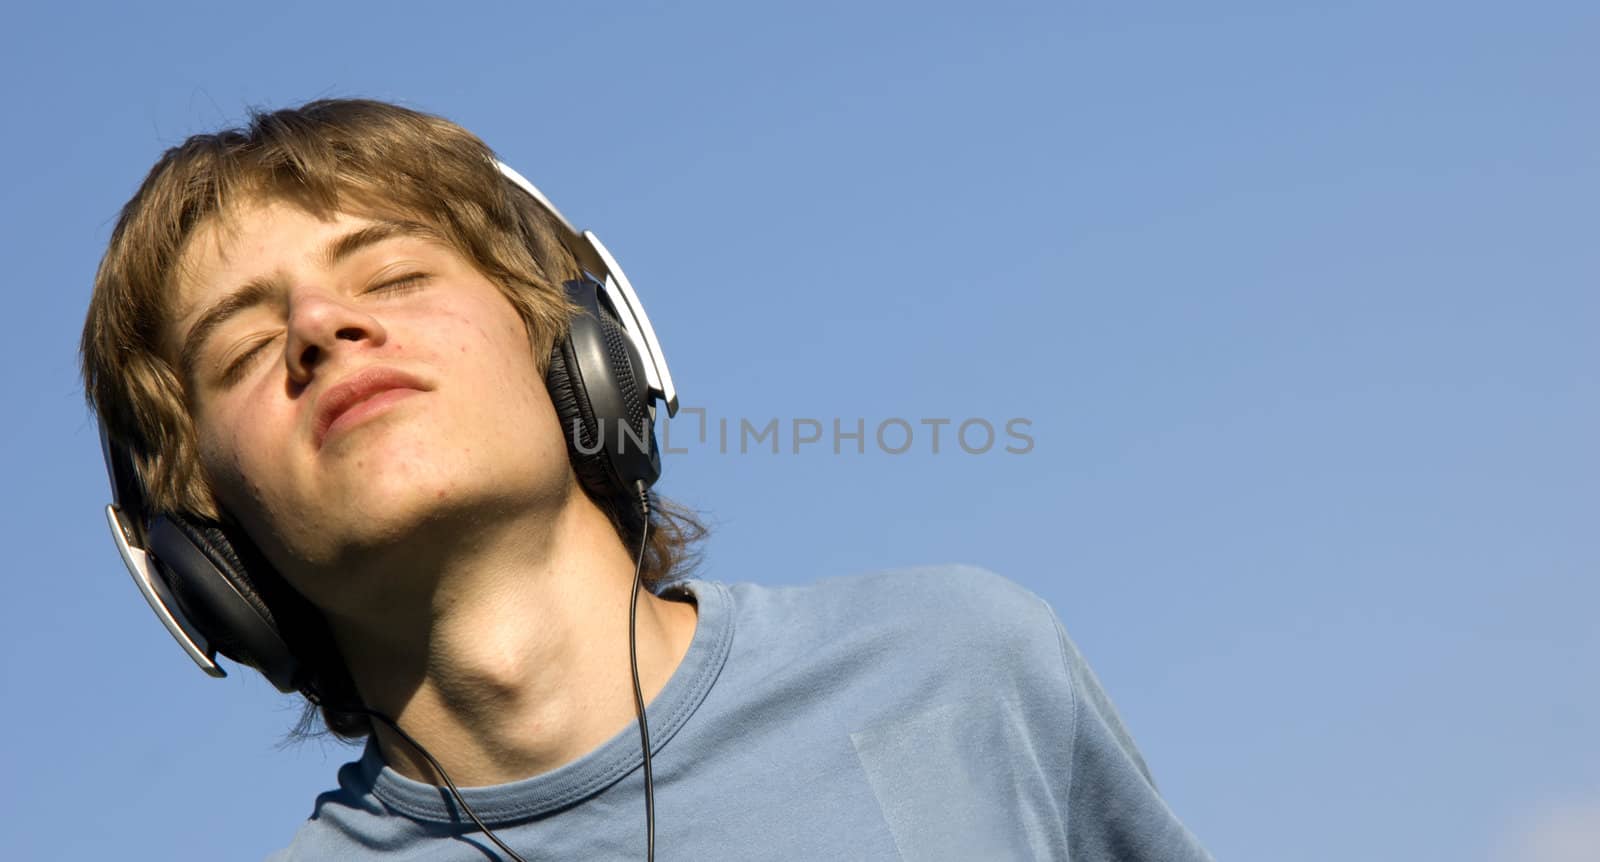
402	284
236	369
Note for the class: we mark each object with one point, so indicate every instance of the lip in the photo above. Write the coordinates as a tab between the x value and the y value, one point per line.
358	396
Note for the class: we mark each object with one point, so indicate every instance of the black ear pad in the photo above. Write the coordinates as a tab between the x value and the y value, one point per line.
578	424
597	384
204	567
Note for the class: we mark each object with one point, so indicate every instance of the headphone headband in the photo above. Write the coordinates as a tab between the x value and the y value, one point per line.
597	263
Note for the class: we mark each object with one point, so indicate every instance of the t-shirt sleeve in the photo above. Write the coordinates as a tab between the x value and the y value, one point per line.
1114	811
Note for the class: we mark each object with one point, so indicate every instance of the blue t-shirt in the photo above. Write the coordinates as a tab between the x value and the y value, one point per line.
935	713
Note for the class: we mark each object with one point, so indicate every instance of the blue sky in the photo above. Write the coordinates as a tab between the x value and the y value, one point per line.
1299	301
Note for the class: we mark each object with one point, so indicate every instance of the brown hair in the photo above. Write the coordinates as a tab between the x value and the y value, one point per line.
327	156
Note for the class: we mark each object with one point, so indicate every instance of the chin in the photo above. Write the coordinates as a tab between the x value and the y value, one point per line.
439	502
391	507
401	497
345	559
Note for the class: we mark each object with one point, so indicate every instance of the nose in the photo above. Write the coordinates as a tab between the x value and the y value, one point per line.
321	325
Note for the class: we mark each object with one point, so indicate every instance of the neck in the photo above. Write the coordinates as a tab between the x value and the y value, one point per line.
515	661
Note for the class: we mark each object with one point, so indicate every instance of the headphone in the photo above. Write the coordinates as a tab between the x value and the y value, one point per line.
214	590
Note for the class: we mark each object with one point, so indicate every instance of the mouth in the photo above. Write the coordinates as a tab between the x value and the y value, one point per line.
359	397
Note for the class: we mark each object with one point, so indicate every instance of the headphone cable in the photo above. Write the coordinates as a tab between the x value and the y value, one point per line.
633	663
516	857
638	700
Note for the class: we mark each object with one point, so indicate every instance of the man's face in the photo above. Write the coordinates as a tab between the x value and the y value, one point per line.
355	385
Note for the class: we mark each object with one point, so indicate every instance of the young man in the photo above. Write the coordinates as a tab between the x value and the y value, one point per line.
339	356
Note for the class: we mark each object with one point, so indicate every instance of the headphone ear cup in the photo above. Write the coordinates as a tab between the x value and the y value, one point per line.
578	423
596	384
628	370
206	568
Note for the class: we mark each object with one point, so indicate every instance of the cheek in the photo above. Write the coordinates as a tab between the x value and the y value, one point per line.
491	336
509	401
231	453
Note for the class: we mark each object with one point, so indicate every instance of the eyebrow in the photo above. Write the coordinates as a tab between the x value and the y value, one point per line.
258	290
